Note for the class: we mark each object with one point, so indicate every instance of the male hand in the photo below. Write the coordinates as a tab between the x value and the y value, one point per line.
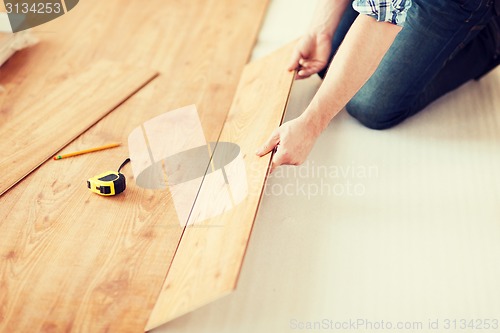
311	54
293	141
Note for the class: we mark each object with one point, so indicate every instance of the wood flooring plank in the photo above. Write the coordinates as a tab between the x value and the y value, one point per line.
210	254
79	101
76	262
197	44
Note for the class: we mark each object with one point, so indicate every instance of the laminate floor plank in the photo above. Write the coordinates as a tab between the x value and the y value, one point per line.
64	112
210	254
75	261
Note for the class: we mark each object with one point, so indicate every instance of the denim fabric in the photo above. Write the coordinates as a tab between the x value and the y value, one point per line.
443	44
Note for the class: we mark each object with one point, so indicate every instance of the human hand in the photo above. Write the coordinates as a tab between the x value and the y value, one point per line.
311	54
293	141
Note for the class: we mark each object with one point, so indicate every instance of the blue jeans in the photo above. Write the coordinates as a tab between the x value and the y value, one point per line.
443	44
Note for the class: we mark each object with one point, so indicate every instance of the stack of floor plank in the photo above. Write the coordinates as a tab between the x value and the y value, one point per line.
74	261
11	43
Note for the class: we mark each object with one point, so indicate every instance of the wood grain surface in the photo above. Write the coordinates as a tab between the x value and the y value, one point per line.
5	49
63	113
76	262
210	254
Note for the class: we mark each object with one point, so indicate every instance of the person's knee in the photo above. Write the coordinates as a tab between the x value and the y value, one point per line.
372	114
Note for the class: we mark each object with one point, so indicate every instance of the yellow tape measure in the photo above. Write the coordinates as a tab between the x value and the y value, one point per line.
108	183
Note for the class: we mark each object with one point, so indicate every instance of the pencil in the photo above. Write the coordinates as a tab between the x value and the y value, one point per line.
85	151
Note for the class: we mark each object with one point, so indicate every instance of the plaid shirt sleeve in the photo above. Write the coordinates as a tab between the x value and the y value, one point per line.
393	11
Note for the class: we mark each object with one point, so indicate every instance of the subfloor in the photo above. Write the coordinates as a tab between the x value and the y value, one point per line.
395	227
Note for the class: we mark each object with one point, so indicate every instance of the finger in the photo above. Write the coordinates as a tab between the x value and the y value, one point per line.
312	64
306	72
278	159
305	47
295	60
309	68
273	140
303	62
303	74
302	51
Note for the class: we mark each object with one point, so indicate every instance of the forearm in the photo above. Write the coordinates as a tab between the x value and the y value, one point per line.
356	60
327	16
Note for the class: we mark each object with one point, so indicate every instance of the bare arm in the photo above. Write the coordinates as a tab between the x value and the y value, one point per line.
356	60
359	56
